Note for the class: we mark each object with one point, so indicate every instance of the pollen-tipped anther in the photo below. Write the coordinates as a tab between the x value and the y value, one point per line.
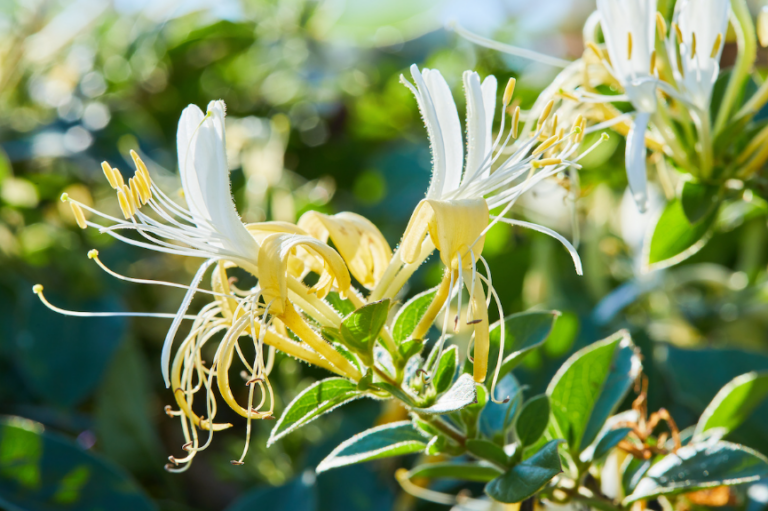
37	289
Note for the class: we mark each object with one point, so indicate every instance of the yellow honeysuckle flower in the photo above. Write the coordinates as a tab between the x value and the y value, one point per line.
359	242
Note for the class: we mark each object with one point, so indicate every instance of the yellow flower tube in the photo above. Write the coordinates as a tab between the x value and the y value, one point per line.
357	239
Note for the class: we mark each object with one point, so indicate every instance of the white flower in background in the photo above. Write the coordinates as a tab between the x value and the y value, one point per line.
699	35
629	29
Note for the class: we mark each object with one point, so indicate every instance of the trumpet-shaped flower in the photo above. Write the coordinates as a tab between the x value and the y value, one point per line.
700	34
454	216
629	28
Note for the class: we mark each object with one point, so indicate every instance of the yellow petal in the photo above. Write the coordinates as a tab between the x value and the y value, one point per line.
220	284
357	239
300	262
455	227
273	267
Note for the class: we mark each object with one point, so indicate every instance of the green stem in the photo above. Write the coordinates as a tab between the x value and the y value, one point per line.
745	35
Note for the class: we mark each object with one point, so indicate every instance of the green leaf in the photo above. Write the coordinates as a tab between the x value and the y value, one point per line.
527	478
360	329
446	369
590	385
632	473
410	314
319	398
698	466
533	420
43	470
479	472
484	449
344	307
623	372
524	332
460	395
698	200
496	418
608	441
675	239
733	404
384	441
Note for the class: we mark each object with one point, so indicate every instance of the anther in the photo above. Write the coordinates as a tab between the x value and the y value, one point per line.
545	145
237	462
37	289
678	32
119	182
652	70
509	90
269	417
93	253
77	211
577	122
254	380
629	45
173	460
186	446
716	46
545	113
661	26
109	173
567	95
693	44
592	46
545	162
169	411
515	121
474	321
125	207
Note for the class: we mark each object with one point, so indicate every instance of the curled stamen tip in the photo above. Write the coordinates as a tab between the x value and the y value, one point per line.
93	253
168	410
474	321
186	446
37	289
254	380
505	400
269	417
64	197
168	467
237	462
173	460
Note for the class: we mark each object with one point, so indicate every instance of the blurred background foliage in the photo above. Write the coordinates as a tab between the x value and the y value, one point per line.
317	119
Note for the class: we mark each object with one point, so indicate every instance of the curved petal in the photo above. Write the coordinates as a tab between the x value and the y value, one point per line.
205	176
478	143
436	143
634	159
450	127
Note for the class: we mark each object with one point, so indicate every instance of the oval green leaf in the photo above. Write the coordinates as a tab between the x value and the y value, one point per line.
733	404
699	466
411	313
384	441
446	369
319	398
675	239
526	478
533	420
479	472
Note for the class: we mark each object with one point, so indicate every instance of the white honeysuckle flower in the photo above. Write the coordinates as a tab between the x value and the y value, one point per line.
629	29
702	25
455	215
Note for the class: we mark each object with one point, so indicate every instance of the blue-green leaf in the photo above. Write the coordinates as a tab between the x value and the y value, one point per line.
319	398
608	441
675	239
42	470
484	449
699	466
410	314
299	494
384	441
733	404
527	478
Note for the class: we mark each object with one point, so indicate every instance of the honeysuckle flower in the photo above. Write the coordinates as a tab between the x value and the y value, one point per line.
455	215
207	226
695	46
629	28
357	239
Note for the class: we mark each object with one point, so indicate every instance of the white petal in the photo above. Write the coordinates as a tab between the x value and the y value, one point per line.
634	158
489	102
428	113
618	18
478	144
450	127
205	177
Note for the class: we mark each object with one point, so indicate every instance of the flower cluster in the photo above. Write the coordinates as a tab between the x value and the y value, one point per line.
282	311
